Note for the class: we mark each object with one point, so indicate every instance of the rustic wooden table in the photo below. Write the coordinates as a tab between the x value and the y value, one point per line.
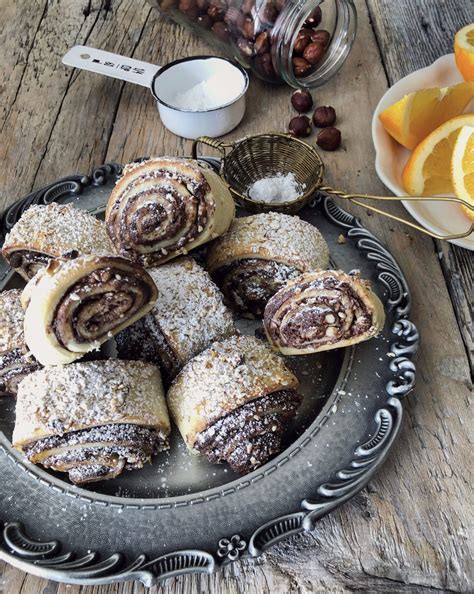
408	530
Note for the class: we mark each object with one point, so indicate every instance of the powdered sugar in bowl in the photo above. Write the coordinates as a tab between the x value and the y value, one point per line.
196	96
201	96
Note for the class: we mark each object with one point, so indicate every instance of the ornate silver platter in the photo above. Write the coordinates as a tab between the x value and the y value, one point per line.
182	515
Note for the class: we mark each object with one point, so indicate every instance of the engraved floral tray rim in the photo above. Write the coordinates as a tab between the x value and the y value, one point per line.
203	531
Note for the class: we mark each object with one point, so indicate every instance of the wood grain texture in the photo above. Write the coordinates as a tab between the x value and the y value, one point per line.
408	531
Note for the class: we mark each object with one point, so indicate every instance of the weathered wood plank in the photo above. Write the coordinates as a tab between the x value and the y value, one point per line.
425	31
408	531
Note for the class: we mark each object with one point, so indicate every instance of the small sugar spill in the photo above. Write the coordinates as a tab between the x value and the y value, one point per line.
277	189
210	93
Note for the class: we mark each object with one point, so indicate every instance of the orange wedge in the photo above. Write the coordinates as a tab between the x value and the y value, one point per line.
464	51
428	170
411	119
462	167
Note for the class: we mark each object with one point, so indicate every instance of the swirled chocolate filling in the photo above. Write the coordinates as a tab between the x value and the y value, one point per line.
14	366
97	304
323	312
144	341
97	453
250	435
28	261
248	284
153	218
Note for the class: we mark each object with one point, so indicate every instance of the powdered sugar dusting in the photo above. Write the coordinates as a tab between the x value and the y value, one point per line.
11	321
60	399
56	229
272	236
222	378
189	309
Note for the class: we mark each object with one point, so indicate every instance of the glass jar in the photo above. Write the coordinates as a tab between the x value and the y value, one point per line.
299	42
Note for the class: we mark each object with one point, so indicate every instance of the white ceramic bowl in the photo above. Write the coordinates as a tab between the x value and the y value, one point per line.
439	217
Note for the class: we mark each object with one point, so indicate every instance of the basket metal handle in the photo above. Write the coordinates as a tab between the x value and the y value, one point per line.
212	142
356	199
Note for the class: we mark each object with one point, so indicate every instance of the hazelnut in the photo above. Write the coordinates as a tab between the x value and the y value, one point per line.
216	10
329	139
220	30
302	40
324	116
205	21
302	100
202	5
280	4
262	43
245	47
248	29
321	36
313	53
268	13
264	65
300	126
314	18
300	66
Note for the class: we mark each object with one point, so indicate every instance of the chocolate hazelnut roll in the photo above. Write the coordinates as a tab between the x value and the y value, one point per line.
72	307
165	207
233	402
16	361
321	311
53	231
187	317
92	420
259	254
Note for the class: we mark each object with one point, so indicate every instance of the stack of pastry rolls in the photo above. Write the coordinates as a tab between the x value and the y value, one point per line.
179	353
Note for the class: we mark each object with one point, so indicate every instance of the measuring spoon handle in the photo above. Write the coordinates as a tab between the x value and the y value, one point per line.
114	65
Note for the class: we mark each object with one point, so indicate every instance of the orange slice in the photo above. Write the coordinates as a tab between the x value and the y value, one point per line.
428	170
411	119
462	167
464	51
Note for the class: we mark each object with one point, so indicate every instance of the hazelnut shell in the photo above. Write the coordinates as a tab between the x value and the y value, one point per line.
300	126
324	116
329	139
302	100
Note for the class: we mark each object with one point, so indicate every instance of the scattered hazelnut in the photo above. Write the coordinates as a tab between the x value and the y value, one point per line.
321	36
313	53
262	43
314	18
300	126
302	100
329	139
300	66
302	40
324	116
